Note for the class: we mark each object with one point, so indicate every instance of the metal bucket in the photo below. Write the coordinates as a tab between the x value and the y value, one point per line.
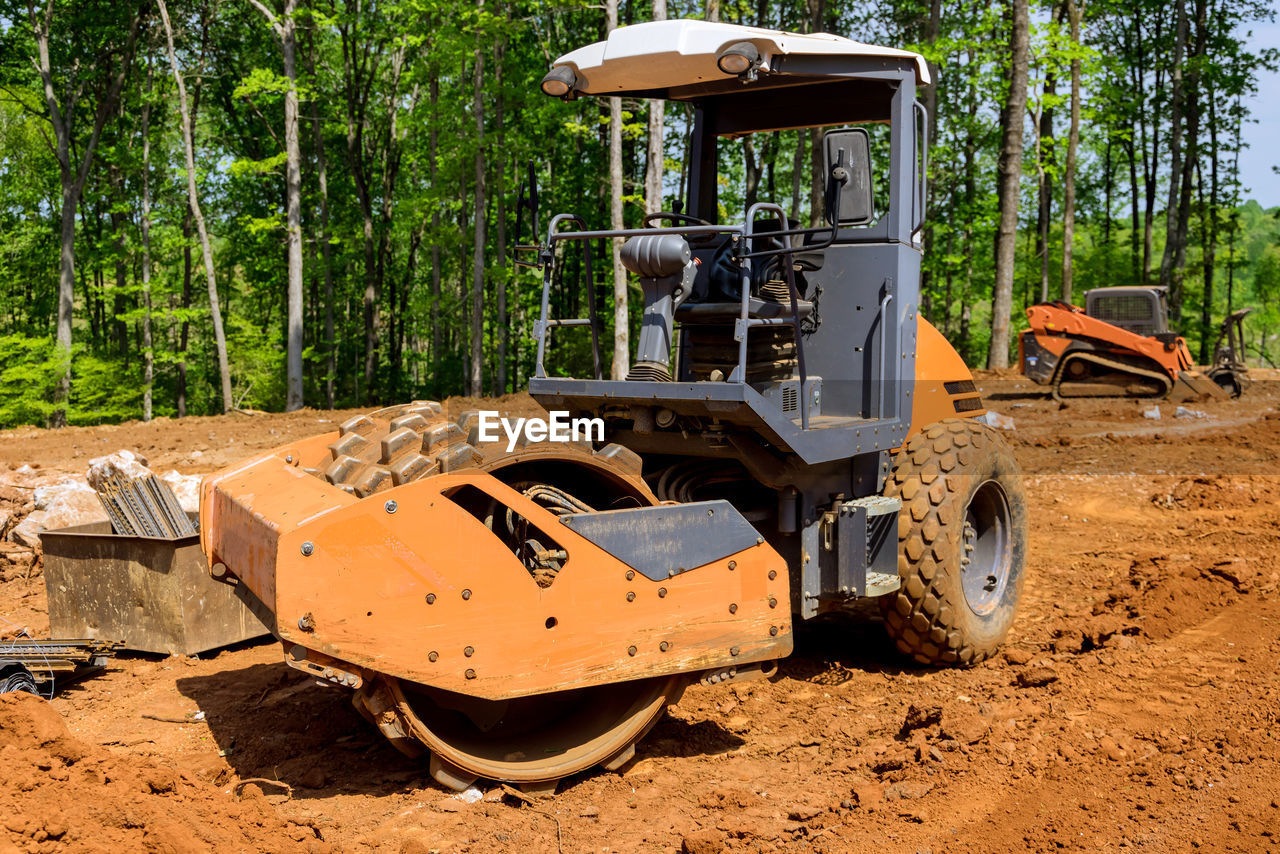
152	594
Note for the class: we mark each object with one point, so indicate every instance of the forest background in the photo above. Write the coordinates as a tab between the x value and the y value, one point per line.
216	204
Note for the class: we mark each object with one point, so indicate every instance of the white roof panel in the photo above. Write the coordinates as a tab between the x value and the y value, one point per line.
671	54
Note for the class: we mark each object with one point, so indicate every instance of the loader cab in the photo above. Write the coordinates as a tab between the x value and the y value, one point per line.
1140	310
805	334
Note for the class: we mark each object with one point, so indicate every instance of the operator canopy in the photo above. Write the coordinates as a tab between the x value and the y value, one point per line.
688	59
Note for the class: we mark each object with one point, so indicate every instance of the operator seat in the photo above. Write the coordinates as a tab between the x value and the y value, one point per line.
717	291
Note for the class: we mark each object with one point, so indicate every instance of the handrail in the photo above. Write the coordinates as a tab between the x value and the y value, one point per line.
553	235
544	323
921	185
884	346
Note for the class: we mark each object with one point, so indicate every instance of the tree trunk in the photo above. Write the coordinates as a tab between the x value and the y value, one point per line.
355	62
797	174
476	387
753	169
1177	103
970	197
326	250
1010	172
656	154
293	190
1044	171
504	332
1209	239
1074	11
184	332
932	30
817	185
433	90
72	178
148	357
220	341
621	314
1191	162
1149	113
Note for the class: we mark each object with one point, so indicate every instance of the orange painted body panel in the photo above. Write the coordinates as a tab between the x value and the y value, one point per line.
365	587
938	363
1055	324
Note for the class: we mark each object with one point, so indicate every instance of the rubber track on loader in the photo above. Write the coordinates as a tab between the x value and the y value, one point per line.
1119	366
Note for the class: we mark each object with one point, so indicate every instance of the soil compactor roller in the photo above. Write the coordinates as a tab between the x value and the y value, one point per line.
792	437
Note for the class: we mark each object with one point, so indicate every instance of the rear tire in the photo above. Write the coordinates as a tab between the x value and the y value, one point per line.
962	537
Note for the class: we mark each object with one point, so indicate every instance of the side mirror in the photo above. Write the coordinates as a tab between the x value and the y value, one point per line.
527	200
847	166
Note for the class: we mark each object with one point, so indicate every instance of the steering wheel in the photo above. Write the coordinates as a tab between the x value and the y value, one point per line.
674	217
694	240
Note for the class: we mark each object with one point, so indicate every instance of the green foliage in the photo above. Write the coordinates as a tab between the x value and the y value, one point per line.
387	104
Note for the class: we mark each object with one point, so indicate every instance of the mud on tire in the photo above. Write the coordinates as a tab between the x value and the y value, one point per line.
962	543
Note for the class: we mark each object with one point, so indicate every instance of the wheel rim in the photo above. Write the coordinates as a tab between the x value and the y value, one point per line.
986	557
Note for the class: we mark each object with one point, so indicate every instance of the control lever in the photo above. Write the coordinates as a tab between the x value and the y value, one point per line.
666	269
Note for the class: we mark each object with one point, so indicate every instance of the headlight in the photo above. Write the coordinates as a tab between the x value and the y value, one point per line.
738	58
560	81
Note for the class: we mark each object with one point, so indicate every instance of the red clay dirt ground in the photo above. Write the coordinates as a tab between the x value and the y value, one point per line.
1135	706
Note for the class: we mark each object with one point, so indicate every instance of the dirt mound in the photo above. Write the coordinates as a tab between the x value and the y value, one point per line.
1164	594
58	793
1220	493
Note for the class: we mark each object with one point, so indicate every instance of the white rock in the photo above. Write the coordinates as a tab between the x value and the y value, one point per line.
1153	413
123	463
186	487
68	501
27	532
470	795
995	419
1184	412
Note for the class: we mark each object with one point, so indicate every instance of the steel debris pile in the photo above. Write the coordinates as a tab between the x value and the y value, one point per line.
34	665
137	502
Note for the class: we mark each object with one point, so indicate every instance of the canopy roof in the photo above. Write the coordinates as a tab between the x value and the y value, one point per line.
678	58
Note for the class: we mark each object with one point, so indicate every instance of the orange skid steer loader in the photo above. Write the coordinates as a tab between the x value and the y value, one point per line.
1119	345
524	610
